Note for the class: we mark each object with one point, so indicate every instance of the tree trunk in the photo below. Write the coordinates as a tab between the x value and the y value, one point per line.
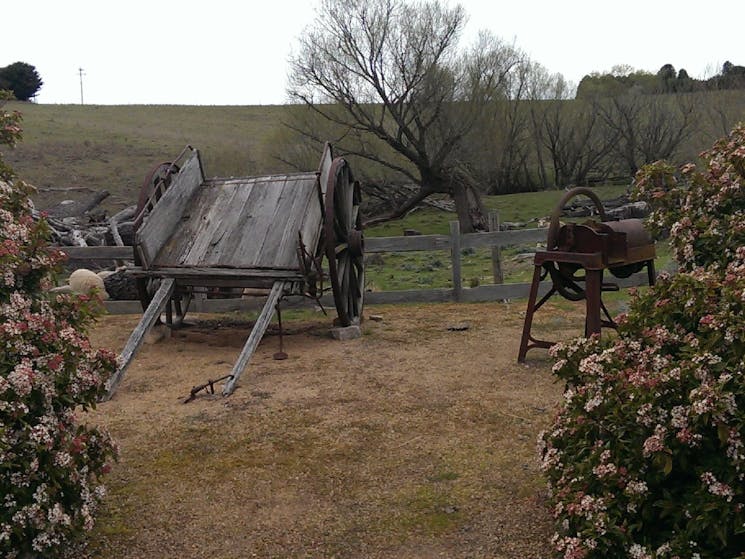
469	207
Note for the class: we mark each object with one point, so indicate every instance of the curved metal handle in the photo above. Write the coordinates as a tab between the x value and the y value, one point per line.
553	228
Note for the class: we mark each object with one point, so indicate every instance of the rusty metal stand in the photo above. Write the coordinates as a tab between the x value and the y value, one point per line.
592	294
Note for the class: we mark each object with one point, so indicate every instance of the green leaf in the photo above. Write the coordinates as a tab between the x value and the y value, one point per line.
668	464
723	432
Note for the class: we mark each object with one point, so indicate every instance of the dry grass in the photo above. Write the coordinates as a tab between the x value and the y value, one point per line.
412	441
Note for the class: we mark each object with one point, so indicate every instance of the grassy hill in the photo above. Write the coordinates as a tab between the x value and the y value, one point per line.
113	147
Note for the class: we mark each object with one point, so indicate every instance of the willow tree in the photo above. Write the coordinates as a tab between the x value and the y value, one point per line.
392	75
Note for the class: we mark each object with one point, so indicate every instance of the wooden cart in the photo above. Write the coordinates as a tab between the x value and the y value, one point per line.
197	235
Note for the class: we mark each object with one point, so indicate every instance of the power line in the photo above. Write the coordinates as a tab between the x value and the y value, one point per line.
82	73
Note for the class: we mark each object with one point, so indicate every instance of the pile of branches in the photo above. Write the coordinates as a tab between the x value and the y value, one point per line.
382	199
83	223
615	208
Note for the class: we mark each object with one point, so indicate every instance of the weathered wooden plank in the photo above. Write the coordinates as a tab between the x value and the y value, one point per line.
160	299
441	295
230	220
257	223
406	244
240	234
324	167
288	216
485	293
205	272
496	251
455	259
257	332
306	197
503	238
260	178
98	253
312	225
177	247
167	213
314	215
211	224
244	241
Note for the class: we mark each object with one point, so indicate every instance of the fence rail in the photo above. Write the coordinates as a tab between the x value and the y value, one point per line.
453	243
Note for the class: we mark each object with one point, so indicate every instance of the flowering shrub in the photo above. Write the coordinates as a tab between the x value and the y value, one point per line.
645	458
50	465
10	132
704	211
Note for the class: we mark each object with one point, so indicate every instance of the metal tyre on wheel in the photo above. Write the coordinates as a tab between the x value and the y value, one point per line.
344	242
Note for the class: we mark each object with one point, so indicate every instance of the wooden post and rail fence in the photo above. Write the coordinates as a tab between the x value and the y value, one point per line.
454	243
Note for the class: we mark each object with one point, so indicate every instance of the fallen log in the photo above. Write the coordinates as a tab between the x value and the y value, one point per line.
77	208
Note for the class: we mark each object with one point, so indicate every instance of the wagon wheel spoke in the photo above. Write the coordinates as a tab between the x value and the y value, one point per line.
344	242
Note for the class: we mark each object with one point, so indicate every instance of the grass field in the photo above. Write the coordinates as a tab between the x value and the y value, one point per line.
113	148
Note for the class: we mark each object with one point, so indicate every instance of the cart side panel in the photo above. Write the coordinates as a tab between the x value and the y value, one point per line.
165	217
182	240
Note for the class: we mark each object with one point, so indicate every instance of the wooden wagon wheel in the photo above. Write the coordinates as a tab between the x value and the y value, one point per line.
562	273
153	187
344	242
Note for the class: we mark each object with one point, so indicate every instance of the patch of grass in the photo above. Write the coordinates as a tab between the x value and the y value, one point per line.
428	509
445	476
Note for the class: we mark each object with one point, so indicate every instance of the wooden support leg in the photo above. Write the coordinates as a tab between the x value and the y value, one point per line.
651	274
529	314
593	287
255	337
152	313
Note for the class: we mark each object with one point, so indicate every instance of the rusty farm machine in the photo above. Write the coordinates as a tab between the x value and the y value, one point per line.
575	259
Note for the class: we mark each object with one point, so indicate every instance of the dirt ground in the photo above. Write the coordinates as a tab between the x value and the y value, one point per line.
413	441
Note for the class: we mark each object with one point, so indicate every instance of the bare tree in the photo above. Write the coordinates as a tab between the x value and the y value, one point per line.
390	73
648	127
577	140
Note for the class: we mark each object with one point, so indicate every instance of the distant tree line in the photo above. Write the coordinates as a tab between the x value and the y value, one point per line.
623	79
21	79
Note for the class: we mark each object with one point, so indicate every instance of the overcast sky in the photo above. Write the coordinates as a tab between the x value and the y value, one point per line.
234	52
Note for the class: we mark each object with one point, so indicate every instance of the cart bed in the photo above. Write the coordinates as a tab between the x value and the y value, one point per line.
238	224
246	223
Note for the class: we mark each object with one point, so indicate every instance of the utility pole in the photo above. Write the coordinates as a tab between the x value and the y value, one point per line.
80	71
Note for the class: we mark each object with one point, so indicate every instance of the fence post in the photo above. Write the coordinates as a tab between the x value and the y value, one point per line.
496	251
455	259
